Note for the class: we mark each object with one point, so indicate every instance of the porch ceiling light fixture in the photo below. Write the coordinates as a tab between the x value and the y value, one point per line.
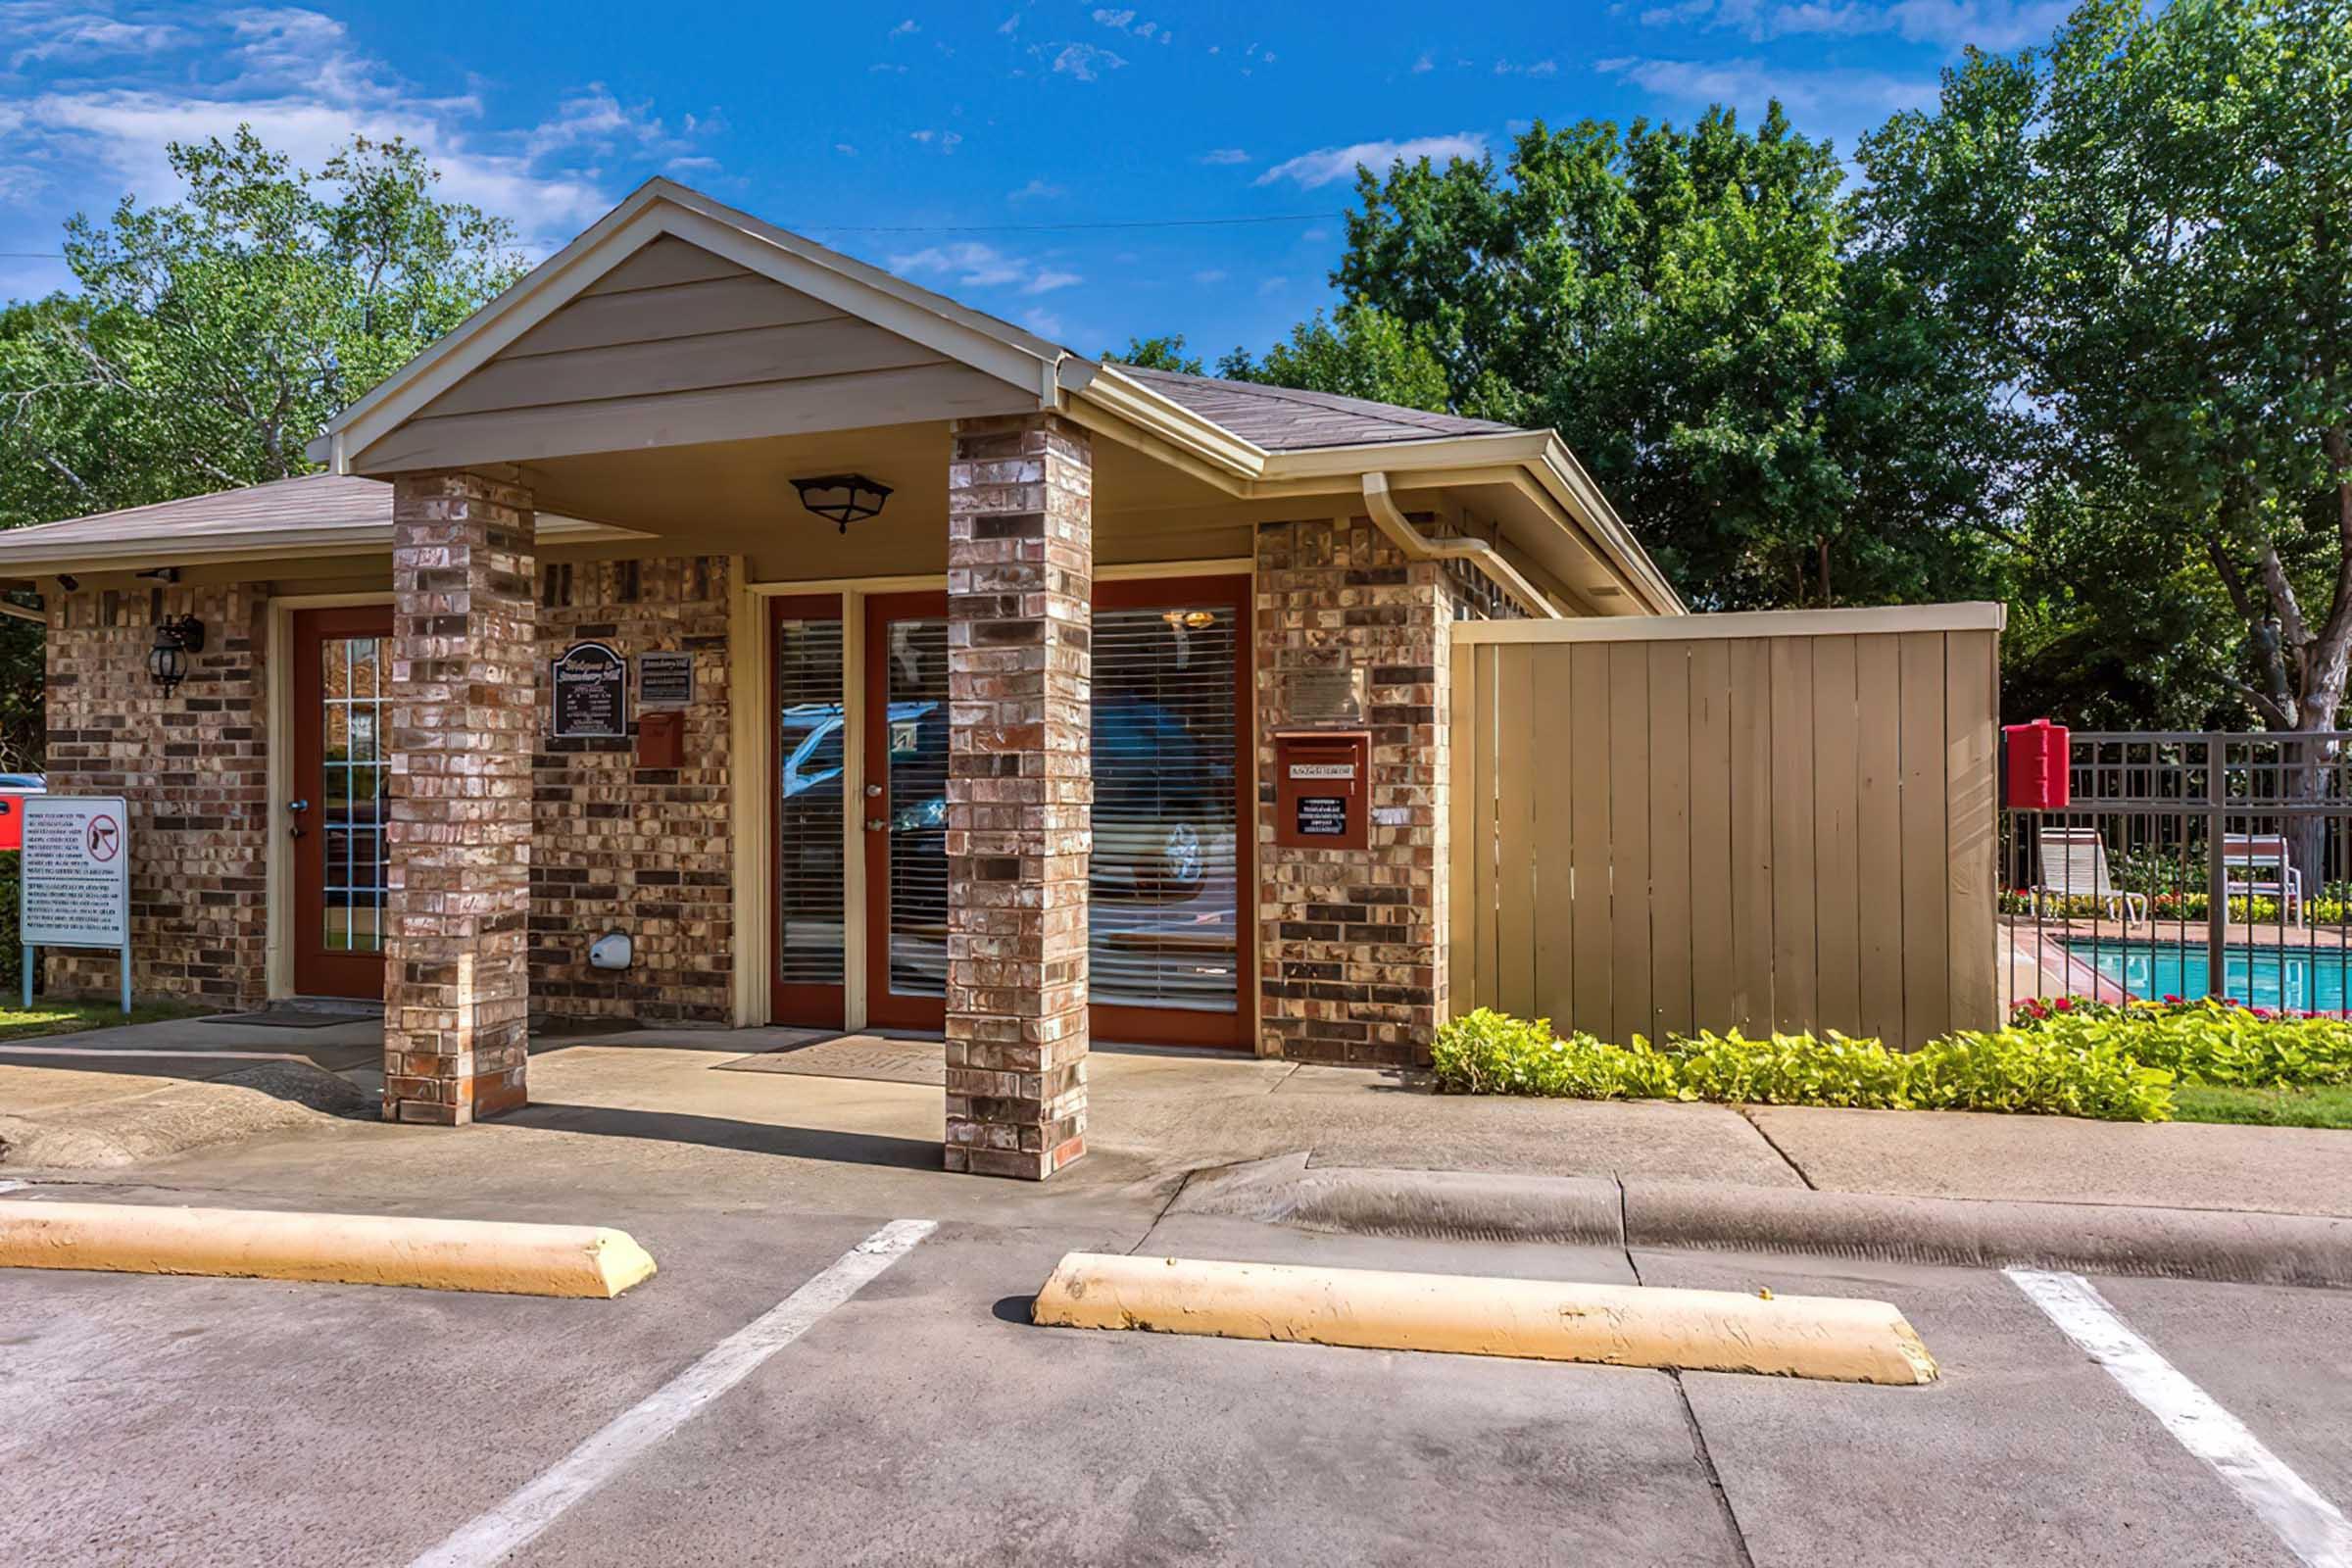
176	638
846	498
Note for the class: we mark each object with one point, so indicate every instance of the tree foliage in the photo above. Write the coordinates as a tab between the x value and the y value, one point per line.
210	337
1359	352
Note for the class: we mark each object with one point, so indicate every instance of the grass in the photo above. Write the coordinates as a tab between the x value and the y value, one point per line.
72	1017
2329	1105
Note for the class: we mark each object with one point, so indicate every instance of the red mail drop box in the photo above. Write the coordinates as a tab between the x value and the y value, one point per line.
1323	789
661	740
2035	779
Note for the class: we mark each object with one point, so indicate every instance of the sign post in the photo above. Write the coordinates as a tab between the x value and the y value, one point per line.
77	879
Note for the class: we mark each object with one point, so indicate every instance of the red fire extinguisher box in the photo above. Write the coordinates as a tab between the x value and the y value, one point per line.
2035	779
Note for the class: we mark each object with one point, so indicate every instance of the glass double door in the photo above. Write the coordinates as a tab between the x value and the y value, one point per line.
1167	934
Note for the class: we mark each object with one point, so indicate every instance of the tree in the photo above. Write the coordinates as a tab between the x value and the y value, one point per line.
1164	353
212	337
1779	417
1361	353
2147	224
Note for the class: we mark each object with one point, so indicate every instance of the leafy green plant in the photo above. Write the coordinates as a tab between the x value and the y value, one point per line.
2019	1070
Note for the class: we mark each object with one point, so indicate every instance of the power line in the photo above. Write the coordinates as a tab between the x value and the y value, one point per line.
952	229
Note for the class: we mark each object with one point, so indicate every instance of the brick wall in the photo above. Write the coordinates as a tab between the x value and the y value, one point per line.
1352	942
618	847
192	765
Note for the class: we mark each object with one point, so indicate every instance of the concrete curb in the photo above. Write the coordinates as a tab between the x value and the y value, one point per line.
442	1254
1825	1338
109	1133
2227	1245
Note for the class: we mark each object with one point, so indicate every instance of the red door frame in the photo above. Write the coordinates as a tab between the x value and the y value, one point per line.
320	971
882	1010
815	1006
826	1005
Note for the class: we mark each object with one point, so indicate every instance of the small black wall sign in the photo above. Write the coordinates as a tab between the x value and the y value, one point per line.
665	680
1323	816
591	694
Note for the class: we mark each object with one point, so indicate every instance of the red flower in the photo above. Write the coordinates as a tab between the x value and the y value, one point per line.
2063	1004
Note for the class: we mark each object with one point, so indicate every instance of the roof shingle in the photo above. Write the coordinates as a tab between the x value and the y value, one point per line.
1283	419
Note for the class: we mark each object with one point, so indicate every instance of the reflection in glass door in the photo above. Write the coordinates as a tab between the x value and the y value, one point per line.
906	809
812	779
340	801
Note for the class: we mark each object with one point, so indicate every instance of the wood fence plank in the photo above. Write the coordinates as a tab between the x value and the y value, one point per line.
1483	827
1671	896
1555	789
1972	712
1878	832
1793	989
1630	775
1467	772
1516	762
1750	775
1837	907
1590	847
1712	955
1926	972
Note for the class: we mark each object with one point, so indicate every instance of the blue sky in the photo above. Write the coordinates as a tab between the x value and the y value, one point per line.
985	149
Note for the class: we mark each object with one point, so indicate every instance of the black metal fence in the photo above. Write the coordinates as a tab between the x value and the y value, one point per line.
2186	864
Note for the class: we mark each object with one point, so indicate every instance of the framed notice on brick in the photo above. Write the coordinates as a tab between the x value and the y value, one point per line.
665	680
590	698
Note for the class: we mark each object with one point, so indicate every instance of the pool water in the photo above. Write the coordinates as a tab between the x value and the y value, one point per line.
2299	980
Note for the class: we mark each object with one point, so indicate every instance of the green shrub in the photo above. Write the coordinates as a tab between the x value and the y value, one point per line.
2014	1069
2207	1042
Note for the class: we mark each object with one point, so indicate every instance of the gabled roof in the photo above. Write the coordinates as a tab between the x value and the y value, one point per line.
1283	419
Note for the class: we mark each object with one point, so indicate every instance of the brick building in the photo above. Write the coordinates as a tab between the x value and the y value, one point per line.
814	650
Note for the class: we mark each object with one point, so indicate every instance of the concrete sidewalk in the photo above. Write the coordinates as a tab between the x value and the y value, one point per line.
648	1112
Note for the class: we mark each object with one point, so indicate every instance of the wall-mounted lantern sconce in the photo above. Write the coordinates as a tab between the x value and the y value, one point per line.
176	638
846	498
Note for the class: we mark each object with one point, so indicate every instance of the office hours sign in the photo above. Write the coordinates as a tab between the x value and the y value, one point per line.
77	889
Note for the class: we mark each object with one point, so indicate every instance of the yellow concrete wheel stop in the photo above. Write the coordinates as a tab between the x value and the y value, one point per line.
442	1254
1833	1338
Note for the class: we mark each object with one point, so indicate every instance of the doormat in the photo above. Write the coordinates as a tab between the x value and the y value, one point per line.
299	1017
879	1058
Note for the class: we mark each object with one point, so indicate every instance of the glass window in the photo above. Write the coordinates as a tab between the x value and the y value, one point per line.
1166	896
808	861
351	794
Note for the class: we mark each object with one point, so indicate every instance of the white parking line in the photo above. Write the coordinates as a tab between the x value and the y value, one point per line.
514	1522
2312	1526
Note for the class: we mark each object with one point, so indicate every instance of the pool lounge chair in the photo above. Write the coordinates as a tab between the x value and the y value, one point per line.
2265	856
2074	866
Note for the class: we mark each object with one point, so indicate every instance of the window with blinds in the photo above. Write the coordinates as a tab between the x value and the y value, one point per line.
1166	895
811	778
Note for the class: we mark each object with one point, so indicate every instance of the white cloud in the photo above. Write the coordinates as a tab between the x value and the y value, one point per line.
970	264
1326	165
1424	63
1043	322
1996	25
1010	24
1269	286
885	66
298	79
1210	277
947	142
690	166
1225	155
1081	61
904	28
1115	19
845	149
1047	279
60	31
1841	105
1037	190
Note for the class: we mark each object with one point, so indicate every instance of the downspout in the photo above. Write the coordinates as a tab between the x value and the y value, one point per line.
1484	557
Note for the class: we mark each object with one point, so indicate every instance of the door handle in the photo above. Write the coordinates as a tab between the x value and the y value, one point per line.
875	825
297	807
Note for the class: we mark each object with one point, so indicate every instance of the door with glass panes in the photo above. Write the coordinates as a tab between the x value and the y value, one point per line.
1169	944
339	802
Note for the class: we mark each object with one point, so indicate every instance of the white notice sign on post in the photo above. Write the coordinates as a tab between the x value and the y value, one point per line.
77	890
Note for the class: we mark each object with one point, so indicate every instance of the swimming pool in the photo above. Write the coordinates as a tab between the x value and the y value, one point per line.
2298	979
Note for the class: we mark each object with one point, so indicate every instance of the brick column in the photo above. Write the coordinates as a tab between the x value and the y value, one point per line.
1020	794
463	714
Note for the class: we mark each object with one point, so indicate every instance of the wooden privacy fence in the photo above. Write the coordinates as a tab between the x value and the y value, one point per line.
1775	821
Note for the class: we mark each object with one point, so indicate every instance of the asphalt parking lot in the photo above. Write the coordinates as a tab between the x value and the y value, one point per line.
923	1419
